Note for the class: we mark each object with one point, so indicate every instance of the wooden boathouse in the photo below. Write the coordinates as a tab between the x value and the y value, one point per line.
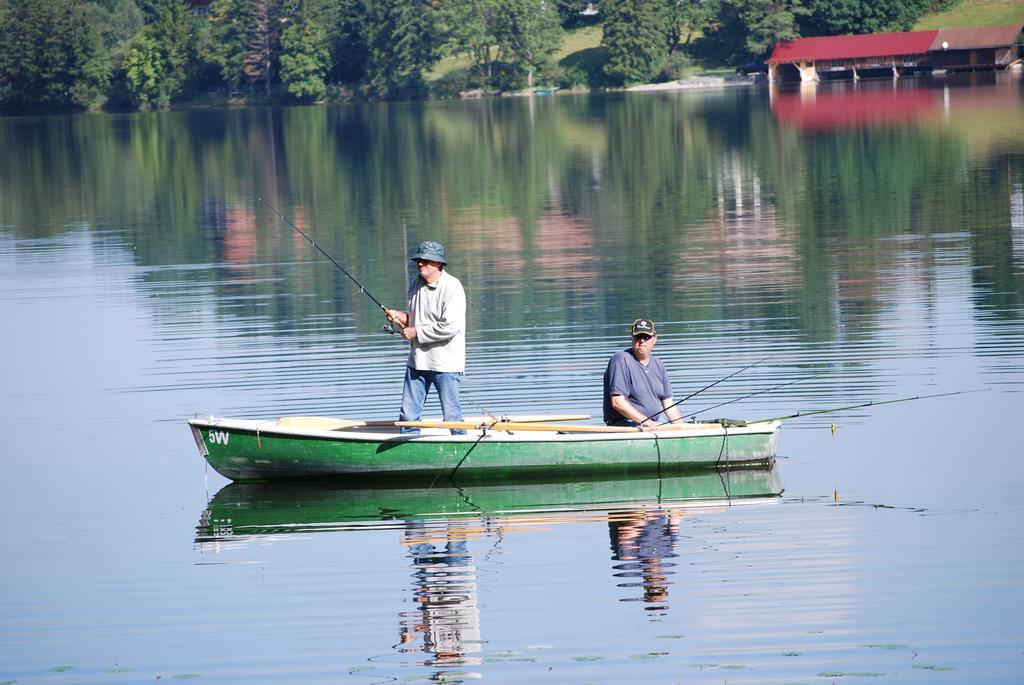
895	54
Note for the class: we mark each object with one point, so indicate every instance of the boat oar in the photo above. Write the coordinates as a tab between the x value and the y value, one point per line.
852	406
759	392
328	423
706	387
362	288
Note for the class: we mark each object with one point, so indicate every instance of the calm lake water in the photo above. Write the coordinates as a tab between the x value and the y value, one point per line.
860	243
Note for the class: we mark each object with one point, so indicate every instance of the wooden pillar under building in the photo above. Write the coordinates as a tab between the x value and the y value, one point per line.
807	72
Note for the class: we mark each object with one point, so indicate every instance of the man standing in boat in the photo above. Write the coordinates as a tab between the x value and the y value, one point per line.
435	326
637	391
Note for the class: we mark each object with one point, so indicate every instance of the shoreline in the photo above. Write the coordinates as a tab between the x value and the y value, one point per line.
696	82
216	101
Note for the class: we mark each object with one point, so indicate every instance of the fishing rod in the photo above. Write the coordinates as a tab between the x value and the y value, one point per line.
734	422
706	387
362	288
759	392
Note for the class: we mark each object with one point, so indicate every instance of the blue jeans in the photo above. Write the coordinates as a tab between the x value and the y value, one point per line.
414	394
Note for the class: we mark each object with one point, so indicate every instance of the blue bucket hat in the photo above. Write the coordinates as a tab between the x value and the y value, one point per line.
430	251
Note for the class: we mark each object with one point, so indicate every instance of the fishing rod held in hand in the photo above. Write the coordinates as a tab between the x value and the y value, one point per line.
873	403
362	288
706	387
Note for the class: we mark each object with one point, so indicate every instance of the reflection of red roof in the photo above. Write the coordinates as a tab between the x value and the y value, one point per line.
827	110
853	47
977	37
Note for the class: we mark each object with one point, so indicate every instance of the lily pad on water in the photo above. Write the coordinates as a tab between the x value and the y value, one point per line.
792	653
733	667
648	655
934	667
887	646
60	669
840	674
587	658
117	669
670	637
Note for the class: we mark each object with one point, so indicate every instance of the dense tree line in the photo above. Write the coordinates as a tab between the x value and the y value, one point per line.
152	53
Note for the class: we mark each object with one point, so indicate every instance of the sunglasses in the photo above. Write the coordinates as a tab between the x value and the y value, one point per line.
643	337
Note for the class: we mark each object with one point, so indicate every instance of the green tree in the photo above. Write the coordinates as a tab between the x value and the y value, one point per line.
529	31
246	41
768	22
403	45
52	54
305	57
119	22
573	12
471	28
346	22
684	18
634	37
157	64
839	17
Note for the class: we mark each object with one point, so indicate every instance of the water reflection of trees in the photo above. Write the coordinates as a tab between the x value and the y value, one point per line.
726	210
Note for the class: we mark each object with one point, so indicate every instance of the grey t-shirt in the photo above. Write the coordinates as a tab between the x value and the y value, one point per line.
644	386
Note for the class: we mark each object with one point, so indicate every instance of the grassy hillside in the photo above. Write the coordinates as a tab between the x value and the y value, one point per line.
975	13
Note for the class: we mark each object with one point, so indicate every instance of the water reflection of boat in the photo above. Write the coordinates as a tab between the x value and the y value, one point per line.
441	622
248	509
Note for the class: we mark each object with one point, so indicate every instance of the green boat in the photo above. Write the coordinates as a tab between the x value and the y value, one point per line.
305	447
256	509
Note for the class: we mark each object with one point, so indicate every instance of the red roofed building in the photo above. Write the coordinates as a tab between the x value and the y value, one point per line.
873	54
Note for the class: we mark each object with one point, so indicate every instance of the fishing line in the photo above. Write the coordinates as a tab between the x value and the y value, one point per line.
873	403
760	392
362	288
707	387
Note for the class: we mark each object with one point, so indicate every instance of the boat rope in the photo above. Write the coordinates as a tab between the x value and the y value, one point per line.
657	447
362	288
707	387
724	478
724	449
451	475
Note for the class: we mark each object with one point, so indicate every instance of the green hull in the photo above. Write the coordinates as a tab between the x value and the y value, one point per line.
247	509
253	450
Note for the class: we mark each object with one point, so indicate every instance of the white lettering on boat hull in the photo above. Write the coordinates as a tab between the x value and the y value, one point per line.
219	437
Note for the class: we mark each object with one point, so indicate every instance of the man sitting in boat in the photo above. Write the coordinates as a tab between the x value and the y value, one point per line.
637	391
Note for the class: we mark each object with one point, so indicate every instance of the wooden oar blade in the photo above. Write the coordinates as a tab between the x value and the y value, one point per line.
515	418
320	423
